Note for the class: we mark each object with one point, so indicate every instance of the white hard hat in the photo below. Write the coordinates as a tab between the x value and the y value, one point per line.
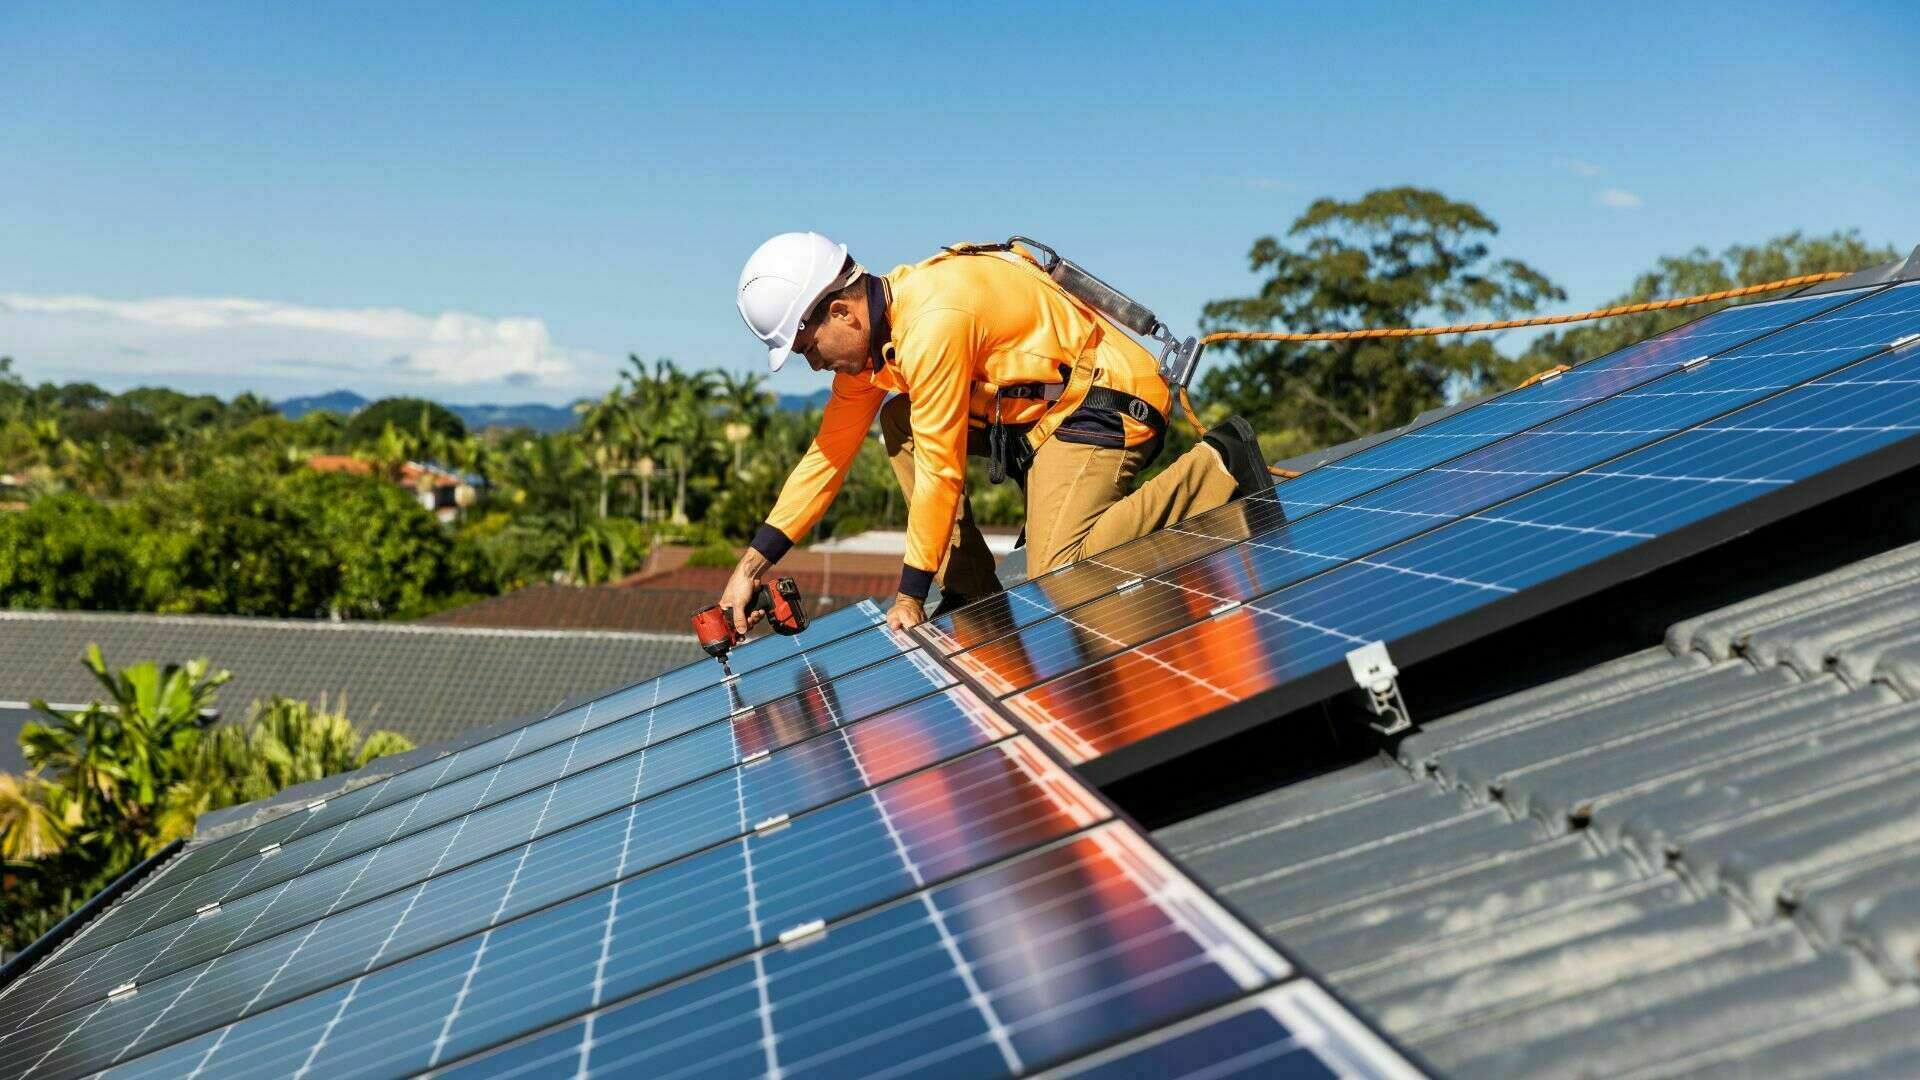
782	281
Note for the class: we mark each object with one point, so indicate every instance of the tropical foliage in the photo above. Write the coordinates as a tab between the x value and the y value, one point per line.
113	781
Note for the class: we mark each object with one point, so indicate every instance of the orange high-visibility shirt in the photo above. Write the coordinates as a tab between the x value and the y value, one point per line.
961	327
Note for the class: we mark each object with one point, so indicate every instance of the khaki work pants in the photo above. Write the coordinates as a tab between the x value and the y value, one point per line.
1077	501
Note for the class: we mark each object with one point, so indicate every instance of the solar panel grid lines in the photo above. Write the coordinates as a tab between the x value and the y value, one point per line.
1342	533
884	682
1528	406
753	686
1635	511
1376	466
1295	1029
886	756
744	742
1067	945
753	656
674	763
944	821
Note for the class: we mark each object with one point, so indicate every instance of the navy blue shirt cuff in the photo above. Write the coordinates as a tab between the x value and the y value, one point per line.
915	582
771	542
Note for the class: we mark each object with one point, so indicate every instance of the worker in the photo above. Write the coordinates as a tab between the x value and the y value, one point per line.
982	352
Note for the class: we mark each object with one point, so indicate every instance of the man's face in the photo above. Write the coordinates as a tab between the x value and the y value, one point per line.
834	337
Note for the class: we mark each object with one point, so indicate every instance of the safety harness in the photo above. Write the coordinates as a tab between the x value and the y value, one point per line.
1009	451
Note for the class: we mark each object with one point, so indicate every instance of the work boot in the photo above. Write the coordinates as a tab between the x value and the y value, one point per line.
1239	449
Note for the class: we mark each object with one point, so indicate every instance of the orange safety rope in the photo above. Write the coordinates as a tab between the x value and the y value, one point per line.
1502	324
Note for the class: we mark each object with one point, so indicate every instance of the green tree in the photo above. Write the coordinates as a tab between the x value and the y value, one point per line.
118	778
67	551
1394	257
744	405
406	414
602	549
283	742
675	407
1694	272
110	760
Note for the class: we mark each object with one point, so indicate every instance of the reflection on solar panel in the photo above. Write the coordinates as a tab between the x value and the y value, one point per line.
1037	959
1665	468
860	864
1376	466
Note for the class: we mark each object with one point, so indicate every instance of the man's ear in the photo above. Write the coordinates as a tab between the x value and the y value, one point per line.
844	309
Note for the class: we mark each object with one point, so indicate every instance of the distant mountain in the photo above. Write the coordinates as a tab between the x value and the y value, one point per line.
480	417
344	402
537	417
803	402
476	417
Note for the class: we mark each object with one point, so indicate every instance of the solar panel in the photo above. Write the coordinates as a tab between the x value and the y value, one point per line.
1485	423
430	795
815	842
1341	532
670	823
661	923
1033	960
1714	451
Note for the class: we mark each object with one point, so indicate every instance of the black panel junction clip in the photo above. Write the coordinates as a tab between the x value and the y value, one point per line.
1379	688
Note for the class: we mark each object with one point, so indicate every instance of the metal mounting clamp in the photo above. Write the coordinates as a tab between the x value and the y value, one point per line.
1378	679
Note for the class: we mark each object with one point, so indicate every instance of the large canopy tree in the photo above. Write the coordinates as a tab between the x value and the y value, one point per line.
1394	257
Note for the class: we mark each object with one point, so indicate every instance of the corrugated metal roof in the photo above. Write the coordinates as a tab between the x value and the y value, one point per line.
429	683
1699	859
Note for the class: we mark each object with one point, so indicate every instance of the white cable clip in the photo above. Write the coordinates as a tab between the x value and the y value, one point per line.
1224	606
1902	342
756	757
1689	365
1130	583
1377	677
209	908
804	930
317	804
125	989
770	824
270	848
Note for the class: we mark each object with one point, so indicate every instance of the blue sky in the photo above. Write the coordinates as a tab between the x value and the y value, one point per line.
497	202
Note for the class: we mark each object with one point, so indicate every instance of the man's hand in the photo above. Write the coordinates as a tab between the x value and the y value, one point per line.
906	611
738	594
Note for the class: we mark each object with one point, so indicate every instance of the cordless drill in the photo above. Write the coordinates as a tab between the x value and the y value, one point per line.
780	601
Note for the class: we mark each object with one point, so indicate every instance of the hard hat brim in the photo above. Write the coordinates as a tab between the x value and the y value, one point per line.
777	356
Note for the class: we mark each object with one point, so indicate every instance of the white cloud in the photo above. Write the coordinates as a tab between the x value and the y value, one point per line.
1576	166
1617	197
263	342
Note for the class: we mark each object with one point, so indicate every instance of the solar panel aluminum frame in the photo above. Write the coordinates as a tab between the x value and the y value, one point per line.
1335	680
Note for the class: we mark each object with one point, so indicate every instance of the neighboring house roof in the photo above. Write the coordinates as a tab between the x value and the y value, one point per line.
427	682
670	557
634	609
1701	858
841	587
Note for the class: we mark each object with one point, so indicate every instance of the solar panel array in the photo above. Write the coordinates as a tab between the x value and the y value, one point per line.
837	863
863	854
1455	528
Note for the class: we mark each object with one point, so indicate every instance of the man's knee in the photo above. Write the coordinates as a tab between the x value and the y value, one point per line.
896	423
